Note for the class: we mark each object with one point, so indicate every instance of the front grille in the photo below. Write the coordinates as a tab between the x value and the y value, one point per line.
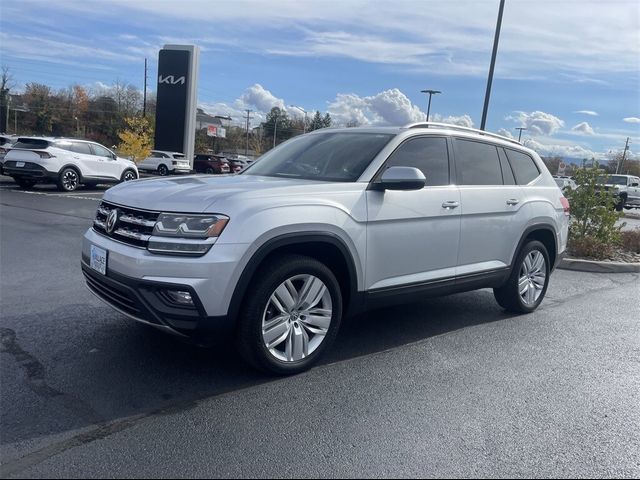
133	227
113	295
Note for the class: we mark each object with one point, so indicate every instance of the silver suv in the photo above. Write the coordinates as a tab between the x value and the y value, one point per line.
324	226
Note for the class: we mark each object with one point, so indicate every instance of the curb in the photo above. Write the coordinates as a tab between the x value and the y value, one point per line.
598	267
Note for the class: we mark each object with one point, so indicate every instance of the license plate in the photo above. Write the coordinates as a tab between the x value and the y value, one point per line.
19	164
98	259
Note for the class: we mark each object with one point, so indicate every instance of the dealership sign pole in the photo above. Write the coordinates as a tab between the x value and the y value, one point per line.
177	96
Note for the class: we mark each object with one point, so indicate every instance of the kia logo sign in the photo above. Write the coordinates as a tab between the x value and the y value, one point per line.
171	80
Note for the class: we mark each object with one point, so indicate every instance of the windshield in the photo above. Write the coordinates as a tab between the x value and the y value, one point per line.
613	180
330	156
559	182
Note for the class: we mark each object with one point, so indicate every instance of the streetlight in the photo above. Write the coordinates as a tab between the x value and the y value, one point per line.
304	127
520	134
430	92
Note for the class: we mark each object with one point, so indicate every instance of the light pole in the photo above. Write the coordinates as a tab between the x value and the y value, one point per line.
496	39
430	92
520	134
304	127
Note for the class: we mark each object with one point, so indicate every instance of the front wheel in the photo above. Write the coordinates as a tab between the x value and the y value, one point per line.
69	180
290	316
128	175
527	285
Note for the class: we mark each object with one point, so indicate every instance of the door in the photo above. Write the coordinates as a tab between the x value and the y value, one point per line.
412	236
492	207
109	167
83	157
633	196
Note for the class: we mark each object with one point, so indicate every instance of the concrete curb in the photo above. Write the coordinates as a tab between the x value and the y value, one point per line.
594	266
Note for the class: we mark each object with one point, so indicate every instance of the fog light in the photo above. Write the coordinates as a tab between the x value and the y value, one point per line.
182	298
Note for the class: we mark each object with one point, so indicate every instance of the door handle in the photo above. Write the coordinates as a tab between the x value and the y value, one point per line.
450	205
513	201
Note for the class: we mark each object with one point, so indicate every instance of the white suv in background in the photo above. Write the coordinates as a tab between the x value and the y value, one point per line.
67	162
165	163
326	225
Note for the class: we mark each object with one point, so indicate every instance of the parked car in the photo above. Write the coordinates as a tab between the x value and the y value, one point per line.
67	162
238	164
566	184
326	225
207	163
6	141
165	163
625	188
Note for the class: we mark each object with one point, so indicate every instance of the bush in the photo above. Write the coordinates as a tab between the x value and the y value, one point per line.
593	231
631	240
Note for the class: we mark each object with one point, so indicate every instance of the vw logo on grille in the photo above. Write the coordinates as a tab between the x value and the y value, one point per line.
112	220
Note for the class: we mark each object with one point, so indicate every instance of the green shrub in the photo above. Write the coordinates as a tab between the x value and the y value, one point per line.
593	231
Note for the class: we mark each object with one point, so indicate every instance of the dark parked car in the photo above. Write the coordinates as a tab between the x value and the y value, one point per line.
205	163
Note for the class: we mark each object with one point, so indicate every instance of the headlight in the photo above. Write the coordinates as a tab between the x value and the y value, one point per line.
188	234
189	226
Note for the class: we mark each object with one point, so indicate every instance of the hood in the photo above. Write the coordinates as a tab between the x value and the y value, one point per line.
196	193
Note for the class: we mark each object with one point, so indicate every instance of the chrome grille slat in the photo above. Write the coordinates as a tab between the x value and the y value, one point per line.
134	226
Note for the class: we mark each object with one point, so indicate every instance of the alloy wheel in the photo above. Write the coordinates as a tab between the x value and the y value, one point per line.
70	180
533	277
128	176
297	318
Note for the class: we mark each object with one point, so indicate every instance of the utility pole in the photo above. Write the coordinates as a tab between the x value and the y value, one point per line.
248	117
304	126
520	134
496	39
624	155
275	128
430	92
144	95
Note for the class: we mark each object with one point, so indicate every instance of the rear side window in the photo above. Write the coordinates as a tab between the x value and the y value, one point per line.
80	147
477	163
428	154
524	168
31	143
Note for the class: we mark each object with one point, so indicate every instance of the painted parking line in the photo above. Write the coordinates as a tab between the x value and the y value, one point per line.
63	195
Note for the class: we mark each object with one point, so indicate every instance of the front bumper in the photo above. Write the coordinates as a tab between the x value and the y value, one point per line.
136	279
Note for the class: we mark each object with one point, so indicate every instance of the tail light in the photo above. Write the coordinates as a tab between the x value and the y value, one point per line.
3	150
565	205
43	154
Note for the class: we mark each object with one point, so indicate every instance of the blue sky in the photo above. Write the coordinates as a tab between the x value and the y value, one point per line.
568	70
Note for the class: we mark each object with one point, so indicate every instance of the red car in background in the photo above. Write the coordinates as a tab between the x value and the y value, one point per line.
209	163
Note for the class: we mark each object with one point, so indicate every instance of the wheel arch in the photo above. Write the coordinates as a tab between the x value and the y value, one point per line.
325	247
544	233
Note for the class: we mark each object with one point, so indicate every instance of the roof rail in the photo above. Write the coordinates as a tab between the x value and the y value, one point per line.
462	129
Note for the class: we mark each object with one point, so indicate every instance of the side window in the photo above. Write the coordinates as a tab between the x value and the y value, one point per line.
524	168
80	147
477	163
100	151
507	173
429	154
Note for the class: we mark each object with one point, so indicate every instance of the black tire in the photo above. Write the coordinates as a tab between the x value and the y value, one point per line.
128	175
163	170
508	296
68	180
209	171
621	202
24	183
249	341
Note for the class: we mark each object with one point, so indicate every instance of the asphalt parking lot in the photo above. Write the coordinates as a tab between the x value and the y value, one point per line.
448	387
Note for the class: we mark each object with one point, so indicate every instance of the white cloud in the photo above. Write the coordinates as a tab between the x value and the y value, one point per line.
583	128
561	150
263	100
390	107
587	112
538	123
505	133
461	120
631	120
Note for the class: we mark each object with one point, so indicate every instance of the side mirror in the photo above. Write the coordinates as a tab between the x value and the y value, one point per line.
400	178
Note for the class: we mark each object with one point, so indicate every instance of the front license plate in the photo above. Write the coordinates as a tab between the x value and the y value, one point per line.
98	259
19	164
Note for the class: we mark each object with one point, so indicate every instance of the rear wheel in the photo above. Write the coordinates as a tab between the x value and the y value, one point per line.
527	285
163	170
24	183
291	316
69	180
621	202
